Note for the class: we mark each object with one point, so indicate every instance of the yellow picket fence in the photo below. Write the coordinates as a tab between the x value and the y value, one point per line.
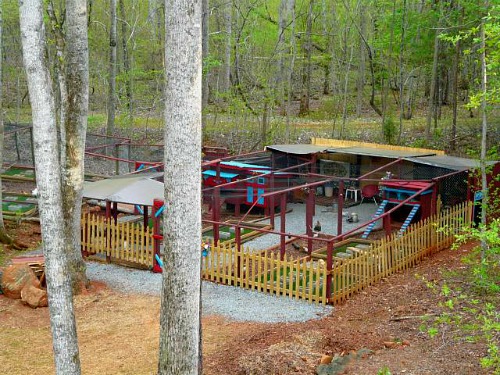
307	278
128	242
266	272
304	278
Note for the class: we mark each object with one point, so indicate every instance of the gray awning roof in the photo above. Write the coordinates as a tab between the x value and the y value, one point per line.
297	149
130	189
379	152
449	162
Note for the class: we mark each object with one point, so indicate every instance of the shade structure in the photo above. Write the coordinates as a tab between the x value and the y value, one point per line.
131	189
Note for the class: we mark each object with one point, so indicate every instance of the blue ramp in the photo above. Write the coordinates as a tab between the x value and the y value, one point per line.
379	212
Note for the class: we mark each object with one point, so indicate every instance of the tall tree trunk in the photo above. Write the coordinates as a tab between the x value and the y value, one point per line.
205	53
360	83
307	67
180	349
484	133
127	64
456	57
4	237
110	126
401	72
282	51
434	77
226	67
292	51
77	77
62	319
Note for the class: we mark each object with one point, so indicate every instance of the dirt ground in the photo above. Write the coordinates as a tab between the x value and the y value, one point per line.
118	334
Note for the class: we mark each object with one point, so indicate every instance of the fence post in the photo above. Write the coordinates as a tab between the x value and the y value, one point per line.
283	226
237	234
309	219
157	237
340	207
329	261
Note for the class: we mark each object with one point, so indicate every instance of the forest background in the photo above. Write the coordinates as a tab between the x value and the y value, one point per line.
279	71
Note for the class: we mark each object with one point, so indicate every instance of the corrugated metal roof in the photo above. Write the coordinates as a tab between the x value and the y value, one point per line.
379	152
297	149
449	162
130	189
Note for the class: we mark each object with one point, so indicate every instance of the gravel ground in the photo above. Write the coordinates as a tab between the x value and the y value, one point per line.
296	222
237	303
234	303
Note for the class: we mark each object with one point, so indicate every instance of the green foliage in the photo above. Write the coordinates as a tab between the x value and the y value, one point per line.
472	307
384	371
389	129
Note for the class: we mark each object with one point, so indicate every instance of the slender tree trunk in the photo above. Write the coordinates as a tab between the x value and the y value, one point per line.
401	73
57	29
62	319
456	57
127	63
110	127
205	52
292	52
226	67
180	350
434	76
77	77
484	133
4	237
282	51
307	68
360	83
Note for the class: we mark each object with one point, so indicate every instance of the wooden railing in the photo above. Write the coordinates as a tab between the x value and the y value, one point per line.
307	278
129	242
304	278
266	272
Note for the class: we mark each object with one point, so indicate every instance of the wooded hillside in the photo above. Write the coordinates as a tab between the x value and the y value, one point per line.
399	65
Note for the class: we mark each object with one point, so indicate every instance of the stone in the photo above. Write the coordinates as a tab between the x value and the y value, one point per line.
326	359
34	297
15	278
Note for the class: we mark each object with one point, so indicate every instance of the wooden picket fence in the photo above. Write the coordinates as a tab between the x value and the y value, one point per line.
128	242
307	278
266	272
304	278
398	252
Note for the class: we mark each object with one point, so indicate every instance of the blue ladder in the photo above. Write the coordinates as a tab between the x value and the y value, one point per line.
380	211
409	219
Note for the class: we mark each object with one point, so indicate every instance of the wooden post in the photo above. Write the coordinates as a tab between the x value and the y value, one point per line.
434	200
237	234
309	219
145	216
108	210
114	212
329	267
340	207
313	170
216	215
271	200
283	226
157	236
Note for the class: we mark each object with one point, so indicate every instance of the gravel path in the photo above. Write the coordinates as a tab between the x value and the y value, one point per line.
296	222
237	303
234	303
